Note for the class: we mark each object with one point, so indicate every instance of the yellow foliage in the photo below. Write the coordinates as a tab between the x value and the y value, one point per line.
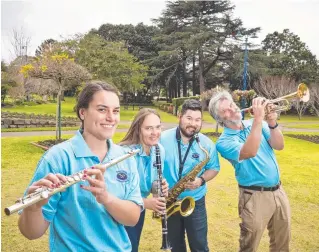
60	57
25	69
44	68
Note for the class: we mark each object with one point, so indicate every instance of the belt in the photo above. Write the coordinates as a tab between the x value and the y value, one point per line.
260	188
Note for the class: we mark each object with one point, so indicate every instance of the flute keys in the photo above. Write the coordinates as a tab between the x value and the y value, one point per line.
44	194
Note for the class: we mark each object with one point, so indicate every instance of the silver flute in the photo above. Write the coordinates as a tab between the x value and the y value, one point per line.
45	192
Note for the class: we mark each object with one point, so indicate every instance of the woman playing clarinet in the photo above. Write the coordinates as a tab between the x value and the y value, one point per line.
144	134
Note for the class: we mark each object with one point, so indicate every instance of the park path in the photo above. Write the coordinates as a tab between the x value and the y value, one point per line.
166	126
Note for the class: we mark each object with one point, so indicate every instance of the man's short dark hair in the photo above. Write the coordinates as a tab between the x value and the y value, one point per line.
191	104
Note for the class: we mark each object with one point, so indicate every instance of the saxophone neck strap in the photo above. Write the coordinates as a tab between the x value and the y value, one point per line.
182	161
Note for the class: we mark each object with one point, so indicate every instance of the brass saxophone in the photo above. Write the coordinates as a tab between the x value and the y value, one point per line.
185	206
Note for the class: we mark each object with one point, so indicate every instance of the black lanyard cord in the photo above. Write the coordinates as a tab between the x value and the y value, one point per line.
182	162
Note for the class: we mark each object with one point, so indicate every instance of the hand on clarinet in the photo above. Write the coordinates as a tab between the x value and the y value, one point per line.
165	188
96	184
50	181
158	204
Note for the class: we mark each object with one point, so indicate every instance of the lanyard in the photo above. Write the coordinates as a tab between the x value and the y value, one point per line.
182	162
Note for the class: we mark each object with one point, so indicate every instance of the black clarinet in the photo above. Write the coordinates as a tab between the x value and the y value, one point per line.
165	241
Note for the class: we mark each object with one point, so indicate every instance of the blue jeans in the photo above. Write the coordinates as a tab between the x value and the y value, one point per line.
195	226
134	233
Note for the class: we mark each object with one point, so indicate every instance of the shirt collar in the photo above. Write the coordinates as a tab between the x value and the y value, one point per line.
81	149
230	131
142	152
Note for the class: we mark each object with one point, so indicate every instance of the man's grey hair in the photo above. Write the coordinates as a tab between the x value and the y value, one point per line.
214	102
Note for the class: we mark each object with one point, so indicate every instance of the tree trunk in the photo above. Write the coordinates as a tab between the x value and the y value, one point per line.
201	77
184	75
194	75
178	87
58	114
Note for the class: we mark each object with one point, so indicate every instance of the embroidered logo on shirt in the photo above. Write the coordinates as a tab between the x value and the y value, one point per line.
121	176
195	155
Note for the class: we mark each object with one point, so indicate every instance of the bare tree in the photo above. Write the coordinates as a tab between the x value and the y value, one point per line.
273	87
20	42
314	97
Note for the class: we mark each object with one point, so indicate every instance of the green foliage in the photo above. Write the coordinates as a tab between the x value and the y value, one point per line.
112	62
6	81
179	101
197	33
295	59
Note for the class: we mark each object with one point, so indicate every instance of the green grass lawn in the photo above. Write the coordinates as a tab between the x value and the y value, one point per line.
299	169
67	110
120	126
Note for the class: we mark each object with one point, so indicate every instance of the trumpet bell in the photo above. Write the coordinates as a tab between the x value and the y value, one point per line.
303	92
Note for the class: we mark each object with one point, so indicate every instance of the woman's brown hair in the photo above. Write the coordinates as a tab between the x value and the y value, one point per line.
133	134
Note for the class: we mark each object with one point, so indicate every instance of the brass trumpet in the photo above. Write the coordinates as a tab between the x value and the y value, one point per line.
282	103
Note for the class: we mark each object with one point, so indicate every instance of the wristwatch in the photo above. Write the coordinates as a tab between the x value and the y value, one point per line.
203	181
273	127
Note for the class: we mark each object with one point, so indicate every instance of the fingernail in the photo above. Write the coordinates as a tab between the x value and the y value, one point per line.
92	167
81	186
84	176
52	186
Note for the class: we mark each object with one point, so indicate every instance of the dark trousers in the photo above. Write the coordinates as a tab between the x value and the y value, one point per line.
135	232
195	226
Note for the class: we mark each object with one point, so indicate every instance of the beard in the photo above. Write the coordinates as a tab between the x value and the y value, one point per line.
235	121
186	134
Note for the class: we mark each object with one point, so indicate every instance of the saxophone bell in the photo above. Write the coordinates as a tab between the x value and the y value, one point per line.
185	207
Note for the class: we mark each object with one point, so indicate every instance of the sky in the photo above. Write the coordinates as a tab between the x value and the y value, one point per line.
44	19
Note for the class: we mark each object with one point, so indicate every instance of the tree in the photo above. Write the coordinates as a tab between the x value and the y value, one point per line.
273	87
6	81
293	56
20	42
46	46
199	33
59	67
112	62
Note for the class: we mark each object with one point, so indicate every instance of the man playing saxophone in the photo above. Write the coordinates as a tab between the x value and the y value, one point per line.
89	216
183	153
249	146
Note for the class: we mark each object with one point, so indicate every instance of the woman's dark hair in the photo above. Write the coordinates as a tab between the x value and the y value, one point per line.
191	104
86	95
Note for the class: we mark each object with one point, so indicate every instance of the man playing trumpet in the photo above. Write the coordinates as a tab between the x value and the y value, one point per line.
249	146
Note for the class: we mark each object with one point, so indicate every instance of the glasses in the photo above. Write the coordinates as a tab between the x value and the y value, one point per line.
153	128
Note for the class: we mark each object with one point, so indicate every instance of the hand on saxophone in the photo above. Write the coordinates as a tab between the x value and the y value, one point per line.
192	185
50	181
95	177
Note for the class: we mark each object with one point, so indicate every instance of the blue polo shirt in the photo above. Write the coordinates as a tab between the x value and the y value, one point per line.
77	221
146	166
261	170
194	157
